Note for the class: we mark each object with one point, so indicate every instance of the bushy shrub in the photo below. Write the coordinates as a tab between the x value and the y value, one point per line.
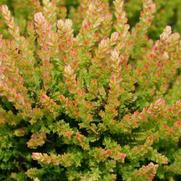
167	13
98	104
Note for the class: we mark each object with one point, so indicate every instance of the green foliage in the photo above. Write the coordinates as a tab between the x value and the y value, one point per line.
168	12
90	91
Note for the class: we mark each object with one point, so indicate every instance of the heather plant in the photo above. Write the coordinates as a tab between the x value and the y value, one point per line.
96	103
167	12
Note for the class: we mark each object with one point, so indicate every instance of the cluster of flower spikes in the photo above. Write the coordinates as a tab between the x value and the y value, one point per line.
167	12
93	105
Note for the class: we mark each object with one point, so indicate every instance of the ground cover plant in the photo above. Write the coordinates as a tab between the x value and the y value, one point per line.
167	13
86	95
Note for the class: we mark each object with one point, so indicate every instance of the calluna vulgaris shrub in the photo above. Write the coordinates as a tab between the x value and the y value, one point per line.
101	103
167	12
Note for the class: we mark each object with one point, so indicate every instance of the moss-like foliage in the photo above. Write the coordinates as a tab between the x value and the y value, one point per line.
90	91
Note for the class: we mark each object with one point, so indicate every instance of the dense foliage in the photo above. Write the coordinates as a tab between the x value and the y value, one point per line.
168	12
88	94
